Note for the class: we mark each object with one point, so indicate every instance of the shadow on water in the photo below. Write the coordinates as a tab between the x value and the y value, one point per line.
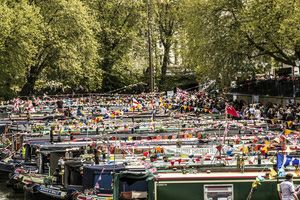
8	193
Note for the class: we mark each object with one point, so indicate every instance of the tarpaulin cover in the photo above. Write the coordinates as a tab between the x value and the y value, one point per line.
101	175
133	181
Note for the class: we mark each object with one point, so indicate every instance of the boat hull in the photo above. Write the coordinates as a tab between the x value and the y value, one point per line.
236	189
38	192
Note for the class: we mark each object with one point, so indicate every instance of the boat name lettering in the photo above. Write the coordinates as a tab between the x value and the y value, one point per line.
49	191
192	151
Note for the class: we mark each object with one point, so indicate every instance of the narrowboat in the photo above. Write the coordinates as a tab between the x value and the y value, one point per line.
96	178
204	186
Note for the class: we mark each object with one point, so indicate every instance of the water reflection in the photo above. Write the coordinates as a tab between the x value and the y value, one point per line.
8	193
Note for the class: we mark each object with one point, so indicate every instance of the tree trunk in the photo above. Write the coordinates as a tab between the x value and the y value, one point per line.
32	77
165	64
107	84
297	51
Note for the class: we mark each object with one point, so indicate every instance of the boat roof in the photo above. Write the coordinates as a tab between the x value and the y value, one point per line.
104	167
209	176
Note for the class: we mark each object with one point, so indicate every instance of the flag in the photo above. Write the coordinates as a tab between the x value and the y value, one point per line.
153	170
264	151
272	173
17	103
181	93
255	140
295	162
219	147
136	104
255	184
214	110
287	131
285	160
251	160
245	150
280	160
97	184
277	140
230	110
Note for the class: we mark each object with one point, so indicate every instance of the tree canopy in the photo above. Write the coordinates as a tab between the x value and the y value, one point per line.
47	41
120	31
226	36
21	32
168	19
102	45
69	48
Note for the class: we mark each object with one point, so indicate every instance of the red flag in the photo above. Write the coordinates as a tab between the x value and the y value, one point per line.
255	140
230	110
219	148
145	154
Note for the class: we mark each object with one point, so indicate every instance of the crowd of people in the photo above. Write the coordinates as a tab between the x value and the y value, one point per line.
272	112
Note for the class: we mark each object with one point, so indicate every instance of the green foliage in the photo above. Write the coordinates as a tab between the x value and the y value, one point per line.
73	45
168	19
65	44
53	40
102	44
120	32
70	47
21	33
226	36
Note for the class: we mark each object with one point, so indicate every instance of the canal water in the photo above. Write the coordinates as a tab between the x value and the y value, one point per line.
8	193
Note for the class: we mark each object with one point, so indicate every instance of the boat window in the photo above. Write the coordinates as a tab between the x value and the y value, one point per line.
218	192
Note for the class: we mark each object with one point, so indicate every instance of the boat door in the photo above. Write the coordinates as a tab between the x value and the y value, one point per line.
218	192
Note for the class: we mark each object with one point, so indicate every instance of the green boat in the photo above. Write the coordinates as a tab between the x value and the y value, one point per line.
204	186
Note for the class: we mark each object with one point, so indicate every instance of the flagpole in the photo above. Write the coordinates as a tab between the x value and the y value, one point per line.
277	166
226	125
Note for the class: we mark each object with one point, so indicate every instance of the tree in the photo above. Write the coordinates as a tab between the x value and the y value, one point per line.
273	30
69	44
167	19
120	29
21	32
226	36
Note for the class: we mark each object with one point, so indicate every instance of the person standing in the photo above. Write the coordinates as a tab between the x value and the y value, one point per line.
96	156
60	163
23	153
51	134
287	189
